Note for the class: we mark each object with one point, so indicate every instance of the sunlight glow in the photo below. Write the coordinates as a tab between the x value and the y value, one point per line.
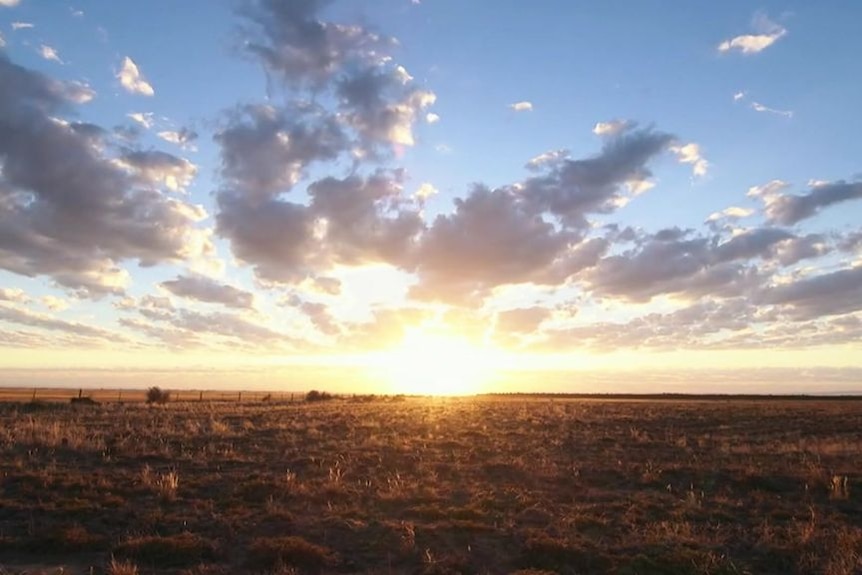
431	362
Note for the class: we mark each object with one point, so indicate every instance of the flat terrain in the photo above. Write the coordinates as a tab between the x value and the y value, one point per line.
485	485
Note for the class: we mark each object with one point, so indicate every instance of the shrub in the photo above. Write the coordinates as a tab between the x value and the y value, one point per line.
181	550
291	551
315	395
158	395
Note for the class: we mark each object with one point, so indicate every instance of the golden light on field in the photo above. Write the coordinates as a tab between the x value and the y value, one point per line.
434	362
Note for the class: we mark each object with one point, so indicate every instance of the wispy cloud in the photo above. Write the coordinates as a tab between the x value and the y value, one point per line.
49	53
132	80
739	96
9	3
432	118
523	106
758	107
145	119
768	33
21	26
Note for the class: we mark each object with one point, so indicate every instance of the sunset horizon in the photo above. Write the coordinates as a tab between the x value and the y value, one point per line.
420	197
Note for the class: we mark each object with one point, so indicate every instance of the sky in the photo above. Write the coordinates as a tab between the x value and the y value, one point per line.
431	196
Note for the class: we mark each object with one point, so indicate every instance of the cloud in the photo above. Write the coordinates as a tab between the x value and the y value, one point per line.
789	209
673	262
737	96
43	321
2	41
154	168
690	154
549	158
16	295
132	80
768	33
183	137
521	320
21	26
206	289
266	151
381	108
758	107
297	47
827	294
611	128
49	53
67	209
731	213
55	303
425	191
522	106
145	119
572	189
78	92
431	118
516	246
9	3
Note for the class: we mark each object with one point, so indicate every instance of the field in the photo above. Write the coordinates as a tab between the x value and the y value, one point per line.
410	485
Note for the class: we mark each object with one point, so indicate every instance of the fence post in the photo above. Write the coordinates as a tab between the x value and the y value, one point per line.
34	394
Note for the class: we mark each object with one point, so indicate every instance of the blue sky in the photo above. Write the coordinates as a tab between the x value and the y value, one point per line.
261	183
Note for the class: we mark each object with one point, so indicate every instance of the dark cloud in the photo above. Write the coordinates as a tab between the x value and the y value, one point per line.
265	151
66	209
788	209
833	293
364	220
206	289
274	236
572	189
381	106
491	239
299	48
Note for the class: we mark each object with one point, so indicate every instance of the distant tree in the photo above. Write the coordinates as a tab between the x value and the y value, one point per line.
315	395
157	395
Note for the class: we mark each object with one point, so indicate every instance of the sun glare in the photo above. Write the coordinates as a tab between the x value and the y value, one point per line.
438	363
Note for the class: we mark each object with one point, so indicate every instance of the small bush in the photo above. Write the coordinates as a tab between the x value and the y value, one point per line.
158	395
278	552
315	395
116	567
181	550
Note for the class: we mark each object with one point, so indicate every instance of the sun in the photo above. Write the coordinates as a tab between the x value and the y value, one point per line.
431	362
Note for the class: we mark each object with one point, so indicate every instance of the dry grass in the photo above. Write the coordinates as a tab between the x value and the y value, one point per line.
433	486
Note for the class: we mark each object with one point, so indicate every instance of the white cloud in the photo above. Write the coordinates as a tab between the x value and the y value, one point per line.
49	53
14	294
550	157
738	96
21	26
769	33
183	138
523	106
145	119
78	92
425	191
432	118
732	213
2	41
443	149
611	128
690	154
55	303
758	107
132	80
9	3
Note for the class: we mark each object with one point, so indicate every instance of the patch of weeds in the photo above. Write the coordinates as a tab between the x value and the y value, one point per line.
291	551
180	550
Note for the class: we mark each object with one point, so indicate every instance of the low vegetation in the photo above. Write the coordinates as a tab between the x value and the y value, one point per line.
432	486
